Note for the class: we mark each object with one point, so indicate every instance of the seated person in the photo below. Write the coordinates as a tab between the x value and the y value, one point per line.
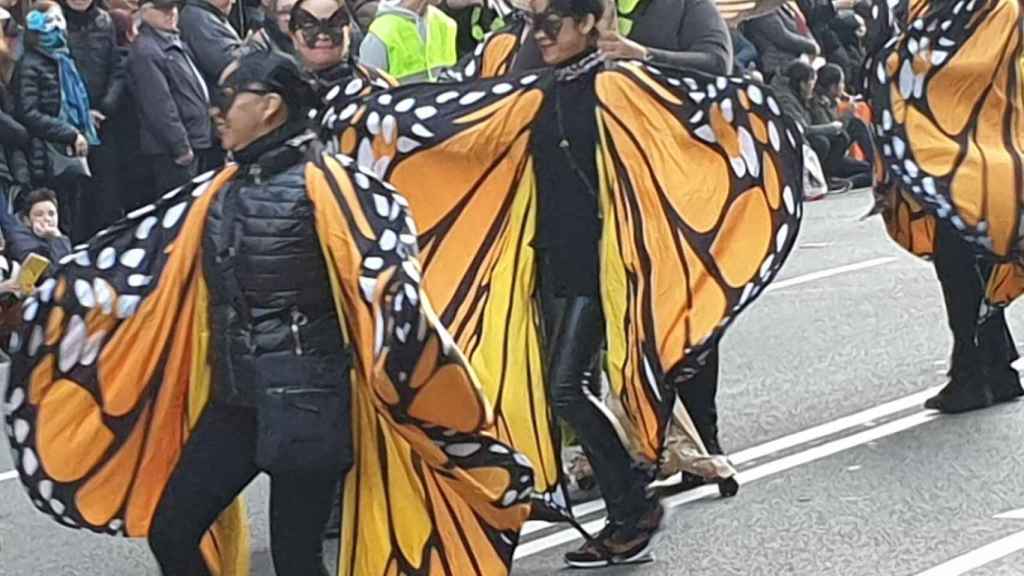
37	229
795	90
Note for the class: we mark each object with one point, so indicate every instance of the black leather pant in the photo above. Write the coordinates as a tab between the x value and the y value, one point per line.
963	277
216	465
574	336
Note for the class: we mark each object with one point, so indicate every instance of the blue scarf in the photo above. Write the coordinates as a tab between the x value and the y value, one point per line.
74	98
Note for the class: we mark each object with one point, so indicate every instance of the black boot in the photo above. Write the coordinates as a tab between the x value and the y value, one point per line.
1005	384
963	393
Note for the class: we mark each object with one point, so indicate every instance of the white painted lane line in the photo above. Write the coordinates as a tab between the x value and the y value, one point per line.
822	274
865	417
756	473
1011	515
862	418
976	558
9	475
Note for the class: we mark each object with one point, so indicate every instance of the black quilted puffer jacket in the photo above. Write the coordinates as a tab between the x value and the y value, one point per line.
273	320
37	85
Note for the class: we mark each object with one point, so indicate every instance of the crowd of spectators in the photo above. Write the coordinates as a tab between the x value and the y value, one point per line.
811	53
105	102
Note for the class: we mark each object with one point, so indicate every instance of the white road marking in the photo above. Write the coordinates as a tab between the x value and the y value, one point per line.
822	274
756	473
863	418
9	475
976	558
1011	515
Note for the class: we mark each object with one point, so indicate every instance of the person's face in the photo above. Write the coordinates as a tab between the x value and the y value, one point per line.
161	18
320	31
242	114
43	217
559	37
807	87
55	16
838	89
79	5
283	15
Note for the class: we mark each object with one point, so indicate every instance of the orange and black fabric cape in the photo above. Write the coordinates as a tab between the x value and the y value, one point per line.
110	373
700	189
947	97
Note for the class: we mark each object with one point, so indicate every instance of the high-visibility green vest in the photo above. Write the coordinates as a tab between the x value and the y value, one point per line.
480	27
626	9
408	54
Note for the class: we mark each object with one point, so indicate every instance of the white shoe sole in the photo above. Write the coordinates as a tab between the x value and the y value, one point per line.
588	565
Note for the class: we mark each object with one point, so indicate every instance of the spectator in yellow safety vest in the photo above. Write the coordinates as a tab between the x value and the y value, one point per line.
412	40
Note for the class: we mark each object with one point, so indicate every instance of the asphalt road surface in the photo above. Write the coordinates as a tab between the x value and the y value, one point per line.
842	471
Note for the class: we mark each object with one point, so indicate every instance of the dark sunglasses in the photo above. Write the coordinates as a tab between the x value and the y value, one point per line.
549	22
311	27
224	98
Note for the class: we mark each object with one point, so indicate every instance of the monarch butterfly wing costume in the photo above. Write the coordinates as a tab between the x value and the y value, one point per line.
702	186
108	375
429	492
462	156
494	55
364	82
701	182
948	102
110	371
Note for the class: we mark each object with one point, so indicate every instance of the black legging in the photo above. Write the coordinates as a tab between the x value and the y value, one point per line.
217	464
963	277
574	335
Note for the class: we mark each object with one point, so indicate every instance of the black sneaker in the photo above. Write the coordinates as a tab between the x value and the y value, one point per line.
839	185
593	553
961	395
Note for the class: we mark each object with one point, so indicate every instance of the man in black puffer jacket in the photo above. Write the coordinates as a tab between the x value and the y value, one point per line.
93	43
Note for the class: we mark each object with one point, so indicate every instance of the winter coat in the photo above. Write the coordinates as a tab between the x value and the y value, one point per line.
172	100
13	141
778	40
210	37
94	47
37	86
21	241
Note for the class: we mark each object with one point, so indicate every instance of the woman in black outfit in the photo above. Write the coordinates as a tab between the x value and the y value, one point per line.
268	332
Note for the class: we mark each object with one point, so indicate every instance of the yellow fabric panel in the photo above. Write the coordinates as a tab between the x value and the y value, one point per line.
394	520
